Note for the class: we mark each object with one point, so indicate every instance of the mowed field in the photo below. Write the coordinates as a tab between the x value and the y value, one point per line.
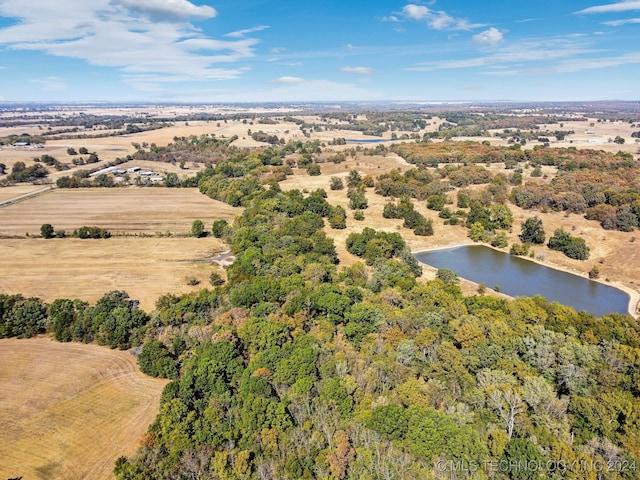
68	410
145	261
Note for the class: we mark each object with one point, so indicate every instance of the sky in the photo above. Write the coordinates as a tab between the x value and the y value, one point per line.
197	51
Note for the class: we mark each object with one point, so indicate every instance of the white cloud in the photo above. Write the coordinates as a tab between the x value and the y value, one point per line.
438	20
624	6
416	12
390	18
242	33
626	21
288	80
493	36
358	70
149	40
168	10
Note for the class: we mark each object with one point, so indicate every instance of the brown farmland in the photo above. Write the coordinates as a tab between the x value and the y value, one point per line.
154	255
68	411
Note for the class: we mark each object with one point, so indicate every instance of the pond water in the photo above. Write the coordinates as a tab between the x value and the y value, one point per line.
518	277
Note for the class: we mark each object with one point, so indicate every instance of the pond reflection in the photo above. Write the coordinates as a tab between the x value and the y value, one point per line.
518	277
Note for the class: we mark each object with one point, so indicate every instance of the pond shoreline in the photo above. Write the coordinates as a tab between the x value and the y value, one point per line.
633	307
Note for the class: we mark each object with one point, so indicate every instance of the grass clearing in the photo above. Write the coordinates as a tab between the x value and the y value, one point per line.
68	410
146	266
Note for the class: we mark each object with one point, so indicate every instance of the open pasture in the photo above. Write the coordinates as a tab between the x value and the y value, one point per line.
127	211
68	411
145	261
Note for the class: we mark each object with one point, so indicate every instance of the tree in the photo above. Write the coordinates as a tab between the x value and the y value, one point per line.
436	202
354	179
507	403
219	228
47	231
336	183
532	231
572	247
156	361
500	217
357	199
424	228
197	229
337	218
447	276
523	459
171	180
314	170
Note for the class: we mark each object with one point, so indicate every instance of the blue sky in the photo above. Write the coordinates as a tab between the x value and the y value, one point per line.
347	50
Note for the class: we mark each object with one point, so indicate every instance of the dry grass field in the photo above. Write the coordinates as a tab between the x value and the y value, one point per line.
68	411
144	266
129	210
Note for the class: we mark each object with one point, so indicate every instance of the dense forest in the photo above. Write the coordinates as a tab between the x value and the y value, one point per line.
297	367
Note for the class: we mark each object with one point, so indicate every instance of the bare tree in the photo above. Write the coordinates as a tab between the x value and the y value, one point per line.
508	405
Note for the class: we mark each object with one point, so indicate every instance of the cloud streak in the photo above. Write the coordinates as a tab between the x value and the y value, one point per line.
624	6
618	23
288	80
243	33
357	70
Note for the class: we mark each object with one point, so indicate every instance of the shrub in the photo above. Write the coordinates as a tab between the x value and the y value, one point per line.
314	170
521	249
92	232
47	231
336	183
216	279
197	229
499	240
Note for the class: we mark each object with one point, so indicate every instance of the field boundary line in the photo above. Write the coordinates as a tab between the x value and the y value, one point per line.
26	196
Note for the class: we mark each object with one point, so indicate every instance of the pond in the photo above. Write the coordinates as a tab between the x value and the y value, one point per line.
520	277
